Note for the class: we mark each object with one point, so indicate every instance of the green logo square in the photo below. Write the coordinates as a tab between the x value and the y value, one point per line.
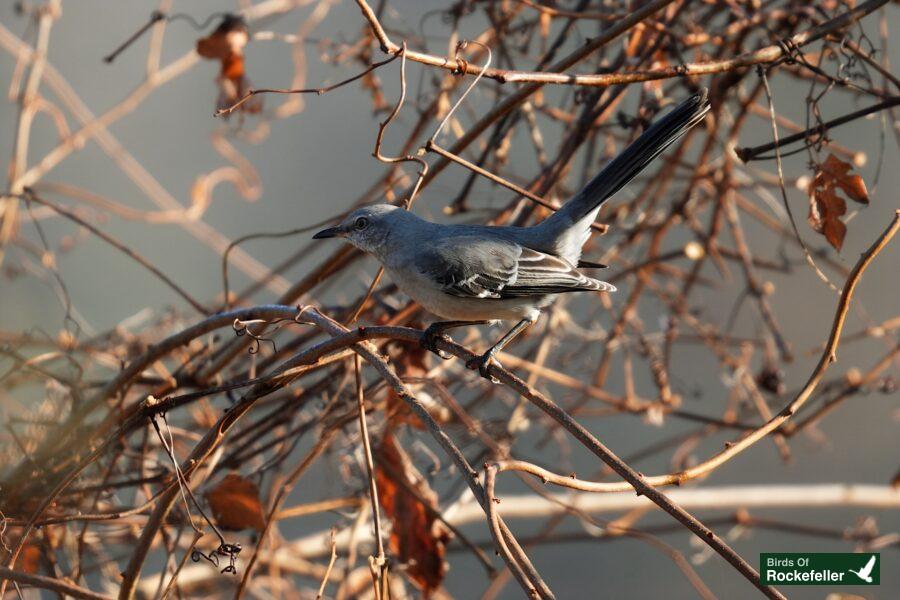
820	568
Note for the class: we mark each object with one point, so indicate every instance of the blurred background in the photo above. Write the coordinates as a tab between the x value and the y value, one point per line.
186	183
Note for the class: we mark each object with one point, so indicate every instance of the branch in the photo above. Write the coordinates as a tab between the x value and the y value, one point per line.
18	478
30	196
53	584
504	376
378	563
748	154
768	54
826	495
318	91
518	561
433	147
734	448
713	498
214	437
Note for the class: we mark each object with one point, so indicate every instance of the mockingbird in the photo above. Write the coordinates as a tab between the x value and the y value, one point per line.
475	274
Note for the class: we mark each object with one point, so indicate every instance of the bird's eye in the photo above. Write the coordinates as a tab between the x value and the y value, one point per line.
361	223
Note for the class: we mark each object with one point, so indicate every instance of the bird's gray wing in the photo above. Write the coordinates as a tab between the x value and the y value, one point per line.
479	267
470	266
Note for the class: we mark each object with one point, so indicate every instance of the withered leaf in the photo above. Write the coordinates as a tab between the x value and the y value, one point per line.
235	503
379	102
410	362
226	44
418	539
29	559
826	207
228	40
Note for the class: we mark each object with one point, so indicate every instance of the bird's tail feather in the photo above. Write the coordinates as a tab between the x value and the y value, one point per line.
622	169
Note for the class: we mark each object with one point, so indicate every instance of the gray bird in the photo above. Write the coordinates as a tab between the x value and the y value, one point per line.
475	274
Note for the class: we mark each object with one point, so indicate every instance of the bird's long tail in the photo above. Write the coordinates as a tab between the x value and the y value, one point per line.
623	168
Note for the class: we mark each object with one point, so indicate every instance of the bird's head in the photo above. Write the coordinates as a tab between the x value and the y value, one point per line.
368	228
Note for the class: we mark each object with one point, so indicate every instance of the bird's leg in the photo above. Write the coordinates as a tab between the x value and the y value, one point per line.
484	361
437	329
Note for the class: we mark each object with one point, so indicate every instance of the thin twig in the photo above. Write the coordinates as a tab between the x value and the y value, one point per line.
748	154
30	196
319	90
380	564
829	355
331	561
52	584
768	54
787	204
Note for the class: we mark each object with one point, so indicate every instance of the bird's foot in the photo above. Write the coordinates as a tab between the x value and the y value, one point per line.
483	364
429	340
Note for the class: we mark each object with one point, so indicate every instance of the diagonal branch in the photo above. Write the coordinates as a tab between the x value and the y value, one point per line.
753	153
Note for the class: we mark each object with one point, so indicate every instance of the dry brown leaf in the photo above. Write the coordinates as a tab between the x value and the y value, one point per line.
226	44
411	361
371	83
826	207
29	559
235	503
418	539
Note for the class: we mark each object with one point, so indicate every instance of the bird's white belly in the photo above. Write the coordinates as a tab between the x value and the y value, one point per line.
454	308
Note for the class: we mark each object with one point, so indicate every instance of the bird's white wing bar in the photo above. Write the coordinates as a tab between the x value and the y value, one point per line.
540	273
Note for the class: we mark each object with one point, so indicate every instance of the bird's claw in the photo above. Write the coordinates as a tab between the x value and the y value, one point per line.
483	364
429	341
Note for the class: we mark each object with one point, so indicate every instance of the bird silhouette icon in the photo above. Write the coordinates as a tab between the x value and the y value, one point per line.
866	572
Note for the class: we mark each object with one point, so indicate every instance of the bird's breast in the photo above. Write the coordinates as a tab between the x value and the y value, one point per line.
432	298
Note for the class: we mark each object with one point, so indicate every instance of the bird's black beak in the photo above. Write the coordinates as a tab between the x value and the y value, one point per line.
329	233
